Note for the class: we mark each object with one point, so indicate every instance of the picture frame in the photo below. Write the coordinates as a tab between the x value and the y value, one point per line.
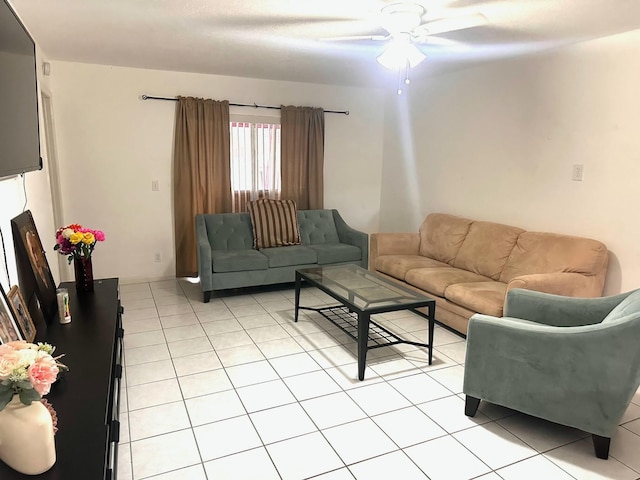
21	314
9	330
34	274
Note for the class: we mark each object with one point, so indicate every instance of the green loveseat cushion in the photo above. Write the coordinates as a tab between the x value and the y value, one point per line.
228	231
289	255
238	260
336	253
317	227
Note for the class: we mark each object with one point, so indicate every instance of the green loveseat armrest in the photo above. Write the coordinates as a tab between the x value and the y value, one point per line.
203	247
354	237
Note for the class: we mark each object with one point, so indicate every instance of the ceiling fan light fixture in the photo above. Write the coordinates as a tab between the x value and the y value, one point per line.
399	55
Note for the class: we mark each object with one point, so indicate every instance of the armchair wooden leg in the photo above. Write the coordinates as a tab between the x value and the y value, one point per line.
206	296
601	446
471	405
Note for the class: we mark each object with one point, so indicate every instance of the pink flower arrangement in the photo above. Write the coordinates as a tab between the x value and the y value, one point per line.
27	370
75	241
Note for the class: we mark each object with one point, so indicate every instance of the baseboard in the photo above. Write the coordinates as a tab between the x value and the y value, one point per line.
133	280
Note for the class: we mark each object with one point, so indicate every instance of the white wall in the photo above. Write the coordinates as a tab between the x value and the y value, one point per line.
30	192
111	145
498	143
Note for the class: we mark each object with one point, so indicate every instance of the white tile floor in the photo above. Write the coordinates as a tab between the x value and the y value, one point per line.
234	389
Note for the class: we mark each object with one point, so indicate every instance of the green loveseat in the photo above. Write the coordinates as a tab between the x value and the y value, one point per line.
227	259
572	361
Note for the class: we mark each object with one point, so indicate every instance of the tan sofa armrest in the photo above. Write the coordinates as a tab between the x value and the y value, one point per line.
393	244
568	284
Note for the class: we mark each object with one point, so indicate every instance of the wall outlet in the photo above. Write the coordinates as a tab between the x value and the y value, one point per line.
157	257
578	172
155	185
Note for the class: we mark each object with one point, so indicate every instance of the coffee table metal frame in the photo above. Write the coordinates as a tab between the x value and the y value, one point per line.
353	315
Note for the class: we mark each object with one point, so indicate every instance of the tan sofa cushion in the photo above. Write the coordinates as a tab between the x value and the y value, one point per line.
398	265
436	280
481	297
441	236
486	248
538	252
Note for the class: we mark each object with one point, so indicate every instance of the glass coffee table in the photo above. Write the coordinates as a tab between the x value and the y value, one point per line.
362	293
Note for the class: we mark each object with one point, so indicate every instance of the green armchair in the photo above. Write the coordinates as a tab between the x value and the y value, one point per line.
572	361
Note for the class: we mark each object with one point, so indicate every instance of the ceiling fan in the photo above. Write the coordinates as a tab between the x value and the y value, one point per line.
406	26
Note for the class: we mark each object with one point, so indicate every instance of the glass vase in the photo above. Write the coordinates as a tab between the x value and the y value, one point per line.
26	437
84	274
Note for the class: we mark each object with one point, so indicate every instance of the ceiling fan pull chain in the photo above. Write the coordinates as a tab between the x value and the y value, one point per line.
403	77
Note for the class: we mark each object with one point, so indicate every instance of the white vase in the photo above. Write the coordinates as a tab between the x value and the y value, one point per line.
26	437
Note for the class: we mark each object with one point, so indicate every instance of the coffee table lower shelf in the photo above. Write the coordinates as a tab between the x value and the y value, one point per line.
377	335
347	321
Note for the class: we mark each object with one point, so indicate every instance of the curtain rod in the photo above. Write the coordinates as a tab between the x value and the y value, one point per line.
253	105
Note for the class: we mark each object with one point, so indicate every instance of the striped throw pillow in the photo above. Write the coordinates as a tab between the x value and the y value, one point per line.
275	223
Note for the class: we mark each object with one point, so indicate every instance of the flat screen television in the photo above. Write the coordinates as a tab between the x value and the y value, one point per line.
19	131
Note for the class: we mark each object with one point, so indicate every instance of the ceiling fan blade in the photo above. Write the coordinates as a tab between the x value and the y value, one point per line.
439	41
356	38
450	24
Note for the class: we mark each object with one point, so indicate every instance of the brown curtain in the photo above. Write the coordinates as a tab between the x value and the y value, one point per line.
241	198
302	156
202	178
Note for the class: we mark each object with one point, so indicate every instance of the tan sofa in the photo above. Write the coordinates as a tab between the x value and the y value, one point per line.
468	266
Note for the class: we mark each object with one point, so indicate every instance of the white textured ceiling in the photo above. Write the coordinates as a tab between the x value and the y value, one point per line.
281	39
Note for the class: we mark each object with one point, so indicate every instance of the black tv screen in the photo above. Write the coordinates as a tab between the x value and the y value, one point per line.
19	134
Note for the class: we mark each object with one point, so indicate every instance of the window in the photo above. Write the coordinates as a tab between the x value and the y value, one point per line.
255	162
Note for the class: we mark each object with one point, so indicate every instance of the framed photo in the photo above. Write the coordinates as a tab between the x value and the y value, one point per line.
34	274
8	329
21	314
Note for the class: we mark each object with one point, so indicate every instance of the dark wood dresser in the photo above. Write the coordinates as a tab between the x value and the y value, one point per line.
87	397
